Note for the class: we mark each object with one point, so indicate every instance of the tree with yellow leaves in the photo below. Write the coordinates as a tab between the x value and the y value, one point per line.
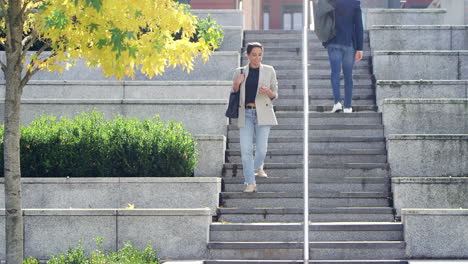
120	36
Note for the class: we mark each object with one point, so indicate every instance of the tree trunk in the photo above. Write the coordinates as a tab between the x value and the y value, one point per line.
13	91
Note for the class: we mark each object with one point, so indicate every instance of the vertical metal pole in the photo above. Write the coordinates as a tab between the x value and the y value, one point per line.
305	76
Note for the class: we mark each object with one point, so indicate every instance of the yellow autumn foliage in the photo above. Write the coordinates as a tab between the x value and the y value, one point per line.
120	36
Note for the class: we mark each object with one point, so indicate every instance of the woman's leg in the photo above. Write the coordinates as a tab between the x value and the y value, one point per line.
261	145
246	144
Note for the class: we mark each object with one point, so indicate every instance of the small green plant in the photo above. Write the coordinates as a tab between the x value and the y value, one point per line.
128	254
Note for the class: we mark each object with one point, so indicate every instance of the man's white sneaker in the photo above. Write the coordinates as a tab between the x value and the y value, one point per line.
261	173
337	108
348	110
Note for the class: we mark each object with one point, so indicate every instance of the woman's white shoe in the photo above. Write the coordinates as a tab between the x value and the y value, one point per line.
251	187
261	173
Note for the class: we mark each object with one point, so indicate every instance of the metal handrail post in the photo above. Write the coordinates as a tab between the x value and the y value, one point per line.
305	76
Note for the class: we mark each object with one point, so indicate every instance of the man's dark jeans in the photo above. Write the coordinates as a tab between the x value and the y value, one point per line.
342	56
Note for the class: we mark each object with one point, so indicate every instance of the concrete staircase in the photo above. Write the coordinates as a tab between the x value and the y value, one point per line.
351	211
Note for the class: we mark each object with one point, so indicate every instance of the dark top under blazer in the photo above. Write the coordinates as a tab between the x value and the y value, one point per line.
348	24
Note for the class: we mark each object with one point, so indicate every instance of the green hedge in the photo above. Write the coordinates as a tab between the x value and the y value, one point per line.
91	146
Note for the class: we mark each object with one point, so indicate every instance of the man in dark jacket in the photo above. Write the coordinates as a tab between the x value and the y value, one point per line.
344	49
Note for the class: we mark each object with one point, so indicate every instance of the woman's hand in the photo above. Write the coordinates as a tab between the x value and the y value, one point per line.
240	78
266	91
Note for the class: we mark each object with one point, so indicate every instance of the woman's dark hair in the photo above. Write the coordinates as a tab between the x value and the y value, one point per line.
252	45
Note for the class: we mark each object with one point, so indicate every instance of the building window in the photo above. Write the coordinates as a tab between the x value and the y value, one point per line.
292	17
266	17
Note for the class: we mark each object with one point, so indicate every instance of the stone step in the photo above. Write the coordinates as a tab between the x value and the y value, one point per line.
293	232
336	146
318	250
322	75
323	90
320	80
315	170
256	35
313	66
314	180
315	185
314	61
301	261
317	156
330	118
351	214
295	200
325	108
358	100
319	130
317	70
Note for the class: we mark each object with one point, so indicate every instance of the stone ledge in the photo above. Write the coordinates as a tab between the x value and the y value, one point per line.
429	180
168	229
125	83
428	137
103	180
421	52
126	101
435	233
419	27
425	101
398	83
420	155
114	212
435	211
405	11
91	195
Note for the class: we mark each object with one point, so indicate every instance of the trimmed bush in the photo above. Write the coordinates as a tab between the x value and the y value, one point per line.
91	146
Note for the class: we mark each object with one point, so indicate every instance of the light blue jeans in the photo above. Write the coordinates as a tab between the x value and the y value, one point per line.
247	133
342	56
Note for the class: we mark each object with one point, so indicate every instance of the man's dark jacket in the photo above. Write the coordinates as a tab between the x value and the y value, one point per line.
348	24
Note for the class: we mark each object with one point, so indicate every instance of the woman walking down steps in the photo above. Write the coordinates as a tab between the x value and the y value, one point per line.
258	88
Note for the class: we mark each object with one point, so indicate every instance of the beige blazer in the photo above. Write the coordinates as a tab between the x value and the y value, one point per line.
264	106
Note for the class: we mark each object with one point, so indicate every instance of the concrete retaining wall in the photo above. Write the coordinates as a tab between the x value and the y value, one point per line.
430	192
174	233
171	192
219	67
233	38
227	17
420	89
419	37
436	233
420	65
404	17
428	155
52	89
197	116
211	152
425	116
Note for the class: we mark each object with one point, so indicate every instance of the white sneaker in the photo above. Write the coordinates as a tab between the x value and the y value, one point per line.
337	108
261	173
348	110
